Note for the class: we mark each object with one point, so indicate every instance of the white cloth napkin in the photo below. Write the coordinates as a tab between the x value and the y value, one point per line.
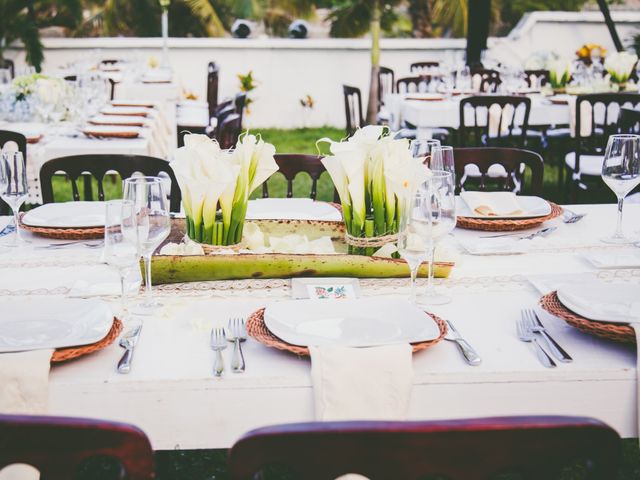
491	204
362	383
585	117
500	119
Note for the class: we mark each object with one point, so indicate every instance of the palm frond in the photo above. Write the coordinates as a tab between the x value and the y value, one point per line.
205	11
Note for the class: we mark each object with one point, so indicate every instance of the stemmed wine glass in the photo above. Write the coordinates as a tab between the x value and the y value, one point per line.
13	186
120	241
422	150
621	173
442	159
151	208
429	216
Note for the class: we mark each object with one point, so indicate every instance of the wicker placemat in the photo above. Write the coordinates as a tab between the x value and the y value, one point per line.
507	225
69	353
612	331
258	330
90	233
99	134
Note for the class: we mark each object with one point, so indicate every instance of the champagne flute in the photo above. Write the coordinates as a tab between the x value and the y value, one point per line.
13	186
153	224
120	241
442	159
621	173
422	150
429	216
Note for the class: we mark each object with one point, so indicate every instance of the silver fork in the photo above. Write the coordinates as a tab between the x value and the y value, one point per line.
55	246
572	217
218	343
535	325
527	335
237	334
540	233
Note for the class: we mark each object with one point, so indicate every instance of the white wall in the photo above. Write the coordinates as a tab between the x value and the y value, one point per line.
288	69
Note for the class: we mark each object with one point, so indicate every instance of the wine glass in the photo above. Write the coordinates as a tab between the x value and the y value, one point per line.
153	224
442	159
422	149
428	217
120	241
621	173
13	186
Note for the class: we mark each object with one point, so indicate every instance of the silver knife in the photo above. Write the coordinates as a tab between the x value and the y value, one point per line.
469	354
128	342
555	348
7	230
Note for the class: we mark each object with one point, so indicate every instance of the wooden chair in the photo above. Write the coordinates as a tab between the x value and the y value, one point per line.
629	121
213	73
8	64
229	130
291	164
419	67
509	176
536	77
99	165
353	108
414	84
474	130
489	79
240	102
584	163
386	83
20	140
62	448
477	449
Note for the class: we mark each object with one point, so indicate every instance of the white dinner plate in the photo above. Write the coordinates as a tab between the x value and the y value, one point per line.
532	207
350	323
119	120
606	302
55	323
132	111
66	215
605	260
291	209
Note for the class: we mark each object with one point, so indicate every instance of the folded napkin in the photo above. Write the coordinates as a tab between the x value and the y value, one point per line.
491	204
585	117
361	383
500	119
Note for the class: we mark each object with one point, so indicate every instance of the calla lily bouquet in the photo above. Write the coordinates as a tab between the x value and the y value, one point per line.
620	66
559	73
216	184
375	176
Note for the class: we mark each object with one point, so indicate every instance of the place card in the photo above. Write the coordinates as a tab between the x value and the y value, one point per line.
327	288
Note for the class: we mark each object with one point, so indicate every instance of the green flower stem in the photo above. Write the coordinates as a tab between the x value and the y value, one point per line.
369	231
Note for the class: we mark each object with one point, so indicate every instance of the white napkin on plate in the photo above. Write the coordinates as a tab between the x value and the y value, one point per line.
491	204
362	383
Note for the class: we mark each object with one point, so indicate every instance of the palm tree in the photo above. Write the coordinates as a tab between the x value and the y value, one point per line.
354	18
420	13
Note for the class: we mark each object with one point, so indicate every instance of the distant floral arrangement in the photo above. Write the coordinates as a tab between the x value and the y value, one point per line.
307	101
588	50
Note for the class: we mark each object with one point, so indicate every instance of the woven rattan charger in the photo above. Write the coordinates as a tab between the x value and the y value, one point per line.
90	233
611	331
69	353
507	225
258	330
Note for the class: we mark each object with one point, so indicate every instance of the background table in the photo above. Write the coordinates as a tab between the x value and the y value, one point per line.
172	394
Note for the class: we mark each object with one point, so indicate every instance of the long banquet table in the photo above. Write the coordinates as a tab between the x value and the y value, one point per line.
172	394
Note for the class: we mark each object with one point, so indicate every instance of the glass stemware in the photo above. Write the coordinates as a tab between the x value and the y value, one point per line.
621	173
429	216
442	159
13	186
120	242
422	149
153	224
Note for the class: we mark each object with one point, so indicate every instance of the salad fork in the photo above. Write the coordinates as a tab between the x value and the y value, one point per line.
237	334
527	335
572	217
535	325
218	343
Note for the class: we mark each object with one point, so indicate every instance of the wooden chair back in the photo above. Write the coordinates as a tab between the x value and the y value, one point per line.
420	67
20	141
513	160
353	108
240	102
536	78
477	449
213	73
494	120
229	130
9	65
629	121
416	84
386	83
489	79
99	165
291	164
61	447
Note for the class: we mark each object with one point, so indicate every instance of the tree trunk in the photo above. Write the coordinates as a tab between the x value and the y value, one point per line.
420	13
372	105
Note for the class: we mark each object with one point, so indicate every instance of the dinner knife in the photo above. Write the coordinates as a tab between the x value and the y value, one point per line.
555	348
128	342
469	354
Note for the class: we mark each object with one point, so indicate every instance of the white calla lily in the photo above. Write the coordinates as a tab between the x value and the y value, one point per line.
620	66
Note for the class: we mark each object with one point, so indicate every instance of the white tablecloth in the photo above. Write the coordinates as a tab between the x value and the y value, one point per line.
171	392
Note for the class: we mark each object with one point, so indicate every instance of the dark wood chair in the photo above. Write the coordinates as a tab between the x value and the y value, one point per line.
419	67
414	84
584	163
353	108
20	140
386	83
474	121
478	449
539	77
291	164
629	121
98	166
9	65
213	74
240	102
110	61
485	176
229	131
63	448
489	79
